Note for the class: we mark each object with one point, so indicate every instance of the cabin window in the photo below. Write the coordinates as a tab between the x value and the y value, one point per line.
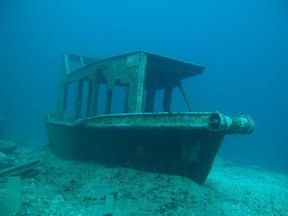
112	100
101	99
158	101
178	103
70	101
76	103
119	99
155	101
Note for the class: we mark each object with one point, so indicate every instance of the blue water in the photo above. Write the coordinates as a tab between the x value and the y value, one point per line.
242	43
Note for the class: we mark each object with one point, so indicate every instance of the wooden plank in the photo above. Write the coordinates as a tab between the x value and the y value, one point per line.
108	208
17	169
11	203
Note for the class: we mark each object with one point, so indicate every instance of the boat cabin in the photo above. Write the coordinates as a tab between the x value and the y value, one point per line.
93	87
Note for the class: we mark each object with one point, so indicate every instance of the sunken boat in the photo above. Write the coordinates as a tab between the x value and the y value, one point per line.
118	112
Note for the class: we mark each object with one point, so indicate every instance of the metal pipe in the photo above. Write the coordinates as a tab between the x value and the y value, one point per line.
237	125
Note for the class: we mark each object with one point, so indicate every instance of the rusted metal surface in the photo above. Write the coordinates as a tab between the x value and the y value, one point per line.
181	143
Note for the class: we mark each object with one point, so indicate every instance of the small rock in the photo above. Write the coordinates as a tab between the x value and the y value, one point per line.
7	146
228	164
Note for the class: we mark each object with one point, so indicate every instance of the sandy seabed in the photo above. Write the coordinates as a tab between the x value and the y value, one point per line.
60	187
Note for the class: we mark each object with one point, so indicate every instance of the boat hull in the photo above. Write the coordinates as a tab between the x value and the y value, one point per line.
181	151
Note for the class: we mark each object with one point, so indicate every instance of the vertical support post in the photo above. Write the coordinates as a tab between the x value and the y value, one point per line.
81	61
67	63
89	94
126	99
150	99
167	99
62	91
94	93
185	96
78	101
137	86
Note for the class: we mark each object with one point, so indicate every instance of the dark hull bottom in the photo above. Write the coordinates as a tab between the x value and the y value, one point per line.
185	152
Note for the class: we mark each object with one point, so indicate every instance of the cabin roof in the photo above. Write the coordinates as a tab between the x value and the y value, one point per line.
162	66
157	67
170	67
